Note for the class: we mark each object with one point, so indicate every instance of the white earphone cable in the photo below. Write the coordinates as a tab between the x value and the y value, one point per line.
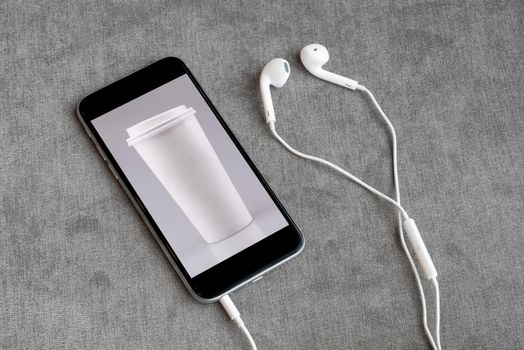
401	230
437	312
337	168
249	337
234	314
396	203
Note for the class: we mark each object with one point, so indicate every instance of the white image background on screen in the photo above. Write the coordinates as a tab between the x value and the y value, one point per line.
192	250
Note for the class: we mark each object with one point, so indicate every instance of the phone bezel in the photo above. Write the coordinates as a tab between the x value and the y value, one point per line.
234	272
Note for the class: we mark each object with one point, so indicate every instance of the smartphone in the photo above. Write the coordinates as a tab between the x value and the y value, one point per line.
203	199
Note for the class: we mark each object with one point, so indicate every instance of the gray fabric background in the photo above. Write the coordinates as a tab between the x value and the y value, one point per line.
79	270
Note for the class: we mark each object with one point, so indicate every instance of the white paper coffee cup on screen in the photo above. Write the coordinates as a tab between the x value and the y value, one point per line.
178	152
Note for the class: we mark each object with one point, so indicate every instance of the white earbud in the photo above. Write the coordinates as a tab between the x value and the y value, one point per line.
276	72
314	56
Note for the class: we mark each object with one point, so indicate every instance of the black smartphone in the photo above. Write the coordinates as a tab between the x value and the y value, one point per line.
205	202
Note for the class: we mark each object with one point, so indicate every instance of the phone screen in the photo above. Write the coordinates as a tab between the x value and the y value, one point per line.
193	180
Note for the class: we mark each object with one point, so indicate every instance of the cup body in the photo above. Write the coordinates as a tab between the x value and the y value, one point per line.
178	152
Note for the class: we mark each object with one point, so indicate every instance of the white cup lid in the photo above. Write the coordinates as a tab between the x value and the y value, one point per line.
157	123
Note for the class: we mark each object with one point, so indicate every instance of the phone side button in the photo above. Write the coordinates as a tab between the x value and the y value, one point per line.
257	279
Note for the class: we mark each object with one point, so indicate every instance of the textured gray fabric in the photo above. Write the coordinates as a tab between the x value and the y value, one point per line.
79	270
